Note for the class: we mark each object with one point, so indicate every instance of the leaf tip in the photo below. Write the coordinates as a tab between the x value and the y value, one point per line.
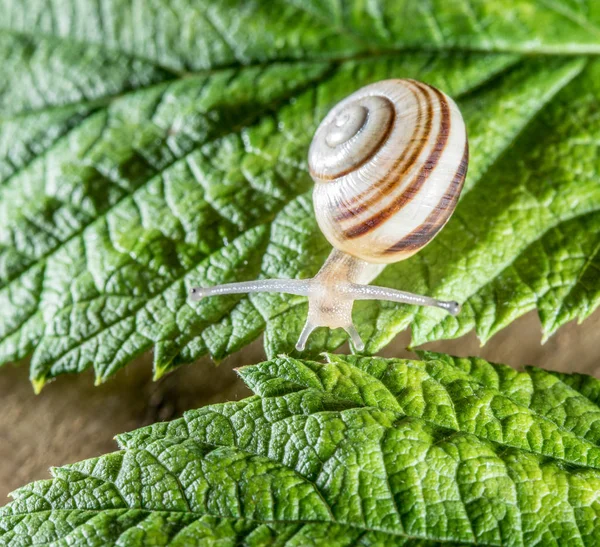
122	439
240	370
159	372
546	334
38	384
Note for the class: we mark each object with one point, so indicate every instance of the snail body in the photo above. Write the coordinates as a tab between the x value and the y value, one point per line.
389	163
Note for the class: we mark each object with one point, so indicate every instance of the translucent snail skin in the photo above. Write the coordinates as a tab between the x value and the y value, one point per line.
389	163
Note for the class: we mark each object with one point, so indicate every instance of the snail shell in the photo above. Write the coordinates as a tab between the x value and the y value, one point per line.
389	163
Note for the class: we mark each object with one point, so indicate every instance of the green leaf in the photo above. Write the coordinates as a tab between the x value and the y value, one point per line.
353	451
148	147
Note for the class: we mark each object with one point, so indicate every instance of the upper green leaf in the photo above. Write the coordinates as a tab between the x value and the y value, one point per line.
355	451
148	147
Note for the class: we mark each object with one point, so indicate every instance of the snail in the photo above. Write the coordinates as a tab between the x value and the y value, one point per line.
388	163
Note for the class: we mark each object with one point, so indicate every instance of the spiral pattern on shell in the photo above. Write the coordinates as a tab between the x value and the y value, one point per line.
389	163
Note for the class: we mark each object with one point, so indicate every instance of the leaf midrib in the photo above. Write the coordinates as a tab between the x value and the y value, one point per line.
354	34
399	416
235	519
367	54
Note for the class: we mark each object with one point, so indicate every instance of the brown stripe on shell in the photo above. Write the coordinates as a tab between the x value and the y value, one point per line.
413	189
401	166
424	233
384	137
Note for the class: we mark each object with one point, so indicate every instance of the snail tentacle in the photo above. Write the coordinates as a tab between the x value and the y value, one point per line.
373	292
355	337
299	287
306	331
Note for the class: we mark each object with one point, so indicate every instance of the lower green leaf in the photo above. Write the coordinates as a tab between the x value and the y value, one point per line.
353	451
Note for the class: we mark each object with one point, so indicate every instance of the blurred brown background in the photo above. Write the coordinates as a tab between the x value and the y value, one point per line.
72	420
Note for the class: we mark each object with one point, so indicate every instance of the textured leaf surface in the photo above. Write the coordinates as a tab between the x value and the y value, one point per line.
353	451
149	146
